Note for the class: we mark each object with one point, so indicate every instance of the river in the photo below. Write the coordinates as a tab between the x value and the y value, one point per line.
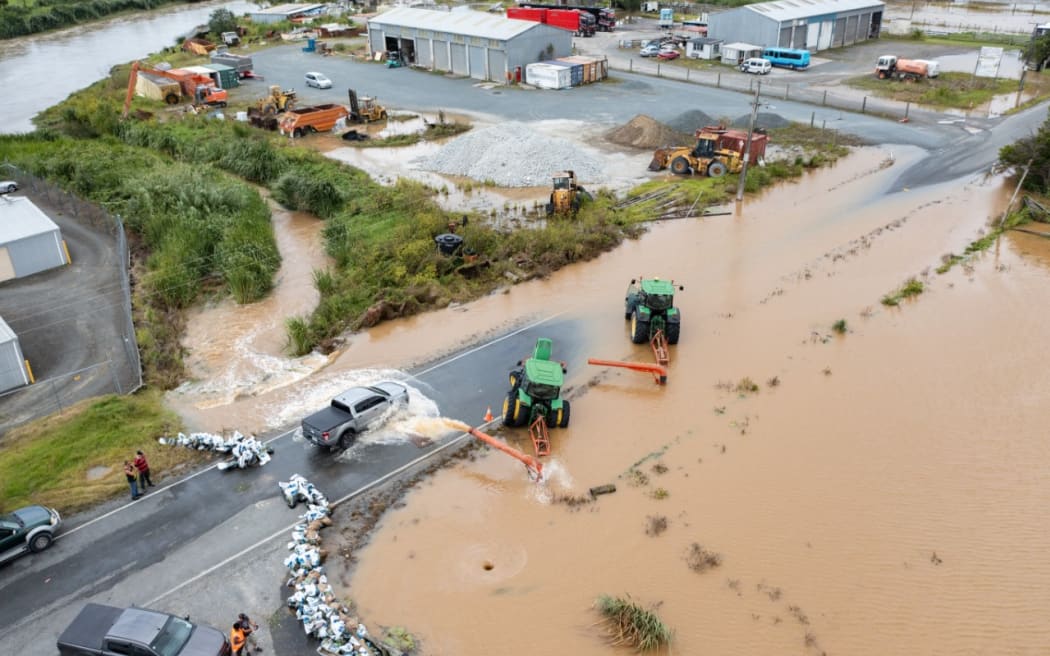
83	54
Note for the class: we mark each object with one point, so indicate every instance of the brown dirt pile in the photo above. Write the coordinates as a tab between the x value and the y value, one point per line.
646	132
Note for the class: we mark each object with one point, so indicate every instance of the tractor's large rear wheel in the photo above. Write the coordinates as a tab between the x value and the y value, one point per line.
680	166
716	170
514	380
509	408
639	329
674	329
563	415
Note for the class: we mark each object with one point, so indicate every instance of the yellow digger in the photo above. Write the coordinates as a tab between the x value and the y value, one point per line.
567	195
264	113
708	157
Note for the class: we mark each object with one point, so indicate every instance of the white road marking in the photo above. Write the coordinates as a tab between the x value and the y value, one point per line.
289	432
287	529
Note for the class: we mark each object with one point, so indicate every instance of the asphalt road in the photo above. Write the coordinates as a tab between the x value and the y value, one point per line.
196	542
145	552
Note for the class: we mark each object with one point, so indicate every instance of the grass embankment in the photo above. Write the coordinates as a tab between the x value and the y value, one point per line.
953	90
47	462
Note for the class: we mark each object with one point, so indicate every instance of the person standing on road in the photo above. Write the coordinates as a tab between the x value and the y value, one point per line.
129	473
237	639
248	627
143	467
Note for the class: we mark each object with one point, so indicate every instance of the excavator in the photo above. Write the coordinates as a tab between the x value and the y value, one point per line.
567	195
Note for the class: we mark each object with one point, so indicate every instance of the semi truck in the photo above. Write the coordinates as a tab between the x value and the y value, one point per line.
605	18
581	23
891	66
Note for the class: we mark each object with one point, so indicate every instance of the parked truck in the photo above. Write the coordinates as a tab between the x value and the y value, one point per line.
604	17
580	22
666	18
319	118
107	631
891	66
352	413
240	63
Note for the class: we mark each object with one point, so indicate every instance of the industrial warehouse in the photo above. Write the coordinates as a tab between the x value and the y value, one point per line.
14	370
470	43
30	241
804	24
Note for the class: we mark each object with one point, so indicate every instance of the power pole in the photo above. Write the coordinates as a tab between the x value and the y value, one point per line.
747	146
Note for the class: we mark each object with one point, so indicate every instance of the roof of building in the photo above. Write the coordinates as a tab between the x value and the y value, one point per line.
20	218
740	45
465	22
785	10
705	40
6	334
289	9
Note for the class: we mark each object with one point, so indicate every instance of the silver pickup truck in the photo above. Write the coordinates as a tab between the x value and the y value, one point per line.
351	413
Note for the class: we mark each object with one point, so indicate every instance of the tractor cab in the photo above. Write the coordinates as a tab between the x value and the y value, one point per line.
535	390
565	180
649	304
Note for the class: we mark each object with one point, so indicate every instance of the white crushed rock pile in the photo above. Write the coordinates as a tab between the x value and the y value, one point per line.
512	155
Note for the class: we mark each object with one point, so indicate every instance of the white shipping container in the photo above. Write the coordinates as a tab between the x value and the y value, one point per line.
548	76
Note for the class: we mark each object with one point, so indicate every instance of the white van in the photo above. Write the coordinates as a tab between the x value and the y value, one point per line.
757	66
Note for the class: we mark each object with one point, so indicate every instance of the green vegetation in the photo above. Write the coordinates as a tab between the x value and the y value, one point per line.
911	287
399	638
1034	149
48	461
432	132
957	90
746	386
19	19
840	326
700	559
630	625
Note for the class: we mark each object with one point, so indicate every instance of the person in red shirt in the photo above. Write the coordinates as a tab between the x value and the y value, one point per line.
143	467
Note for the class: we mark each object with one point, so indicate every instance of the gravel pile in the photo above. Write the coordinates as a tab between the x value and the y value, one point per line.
691	121
763	120
512	155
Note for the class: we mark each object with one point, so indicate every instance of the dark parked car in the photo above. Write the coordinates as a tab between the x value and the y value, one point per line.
107	631
27	529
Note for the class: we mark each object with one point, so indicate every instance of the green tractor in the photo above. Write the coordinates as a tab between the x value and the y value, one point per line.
650	307
535	389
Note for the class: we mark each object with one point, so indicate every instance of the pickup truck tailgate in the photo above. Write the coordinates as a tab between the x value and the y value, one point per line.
89	628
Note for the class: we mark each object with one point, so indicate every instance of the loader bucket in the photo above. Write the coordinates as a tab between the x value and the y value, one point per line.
659	161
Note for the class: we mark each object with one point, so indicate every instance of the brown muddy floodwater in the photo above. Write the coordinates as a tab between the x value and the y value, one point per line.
887	496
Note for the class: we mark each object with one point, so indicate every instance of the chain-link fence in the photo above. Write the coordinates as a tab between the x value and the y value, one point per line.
74	324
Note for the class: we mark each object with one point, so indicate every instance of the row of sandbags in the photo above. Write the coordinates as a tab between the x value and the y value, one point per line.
314	601
246	451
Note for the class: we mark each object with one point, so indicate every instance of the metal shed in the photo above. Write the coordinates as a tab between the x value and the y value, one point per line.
286	12
14	371
30	241
475	44
812	25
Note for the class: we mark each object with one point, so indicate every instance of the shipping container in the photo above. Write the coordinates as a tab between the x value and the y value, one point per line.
595	69
544	75
243	64
575	71
527	13
227	76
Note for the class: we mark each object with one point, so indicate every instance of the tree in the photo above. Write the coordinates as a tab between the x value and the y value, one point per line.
1038	51
1035	148
222	20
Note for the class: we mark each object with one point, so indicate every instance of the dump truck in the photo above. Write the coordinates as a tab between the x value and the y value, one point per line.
567	195
891	66
649	305
579	22
319	118
535	390
718	151
365	109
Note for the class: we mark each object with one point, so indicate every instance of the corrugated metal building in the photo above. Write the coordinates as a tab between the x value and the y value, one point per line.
13	372
804	24
464	42
30	241
286	12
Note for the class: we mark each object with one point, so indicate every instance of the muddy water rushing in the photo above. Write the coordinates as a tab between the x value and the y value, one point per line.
882	492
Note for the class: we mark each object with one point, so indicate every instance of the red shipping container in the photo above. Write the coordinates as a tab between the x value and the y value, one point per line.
567	19
527	13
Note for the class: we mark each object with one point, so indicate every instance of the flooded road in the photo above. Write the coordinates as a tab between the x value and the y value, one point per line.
885	496
85	53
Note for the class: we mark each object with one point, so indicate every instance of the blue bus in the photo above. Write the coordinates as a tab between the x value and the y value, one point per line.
787	57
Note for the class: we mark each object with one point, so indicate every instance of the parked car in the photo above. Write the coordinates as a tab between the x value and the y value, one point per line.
319	80
352	413
650	50
668	54
756	65
7	186
107	631
29	529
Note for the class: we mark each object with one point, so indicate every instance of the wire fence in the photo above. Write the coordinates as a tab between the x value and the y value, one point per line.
69	319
